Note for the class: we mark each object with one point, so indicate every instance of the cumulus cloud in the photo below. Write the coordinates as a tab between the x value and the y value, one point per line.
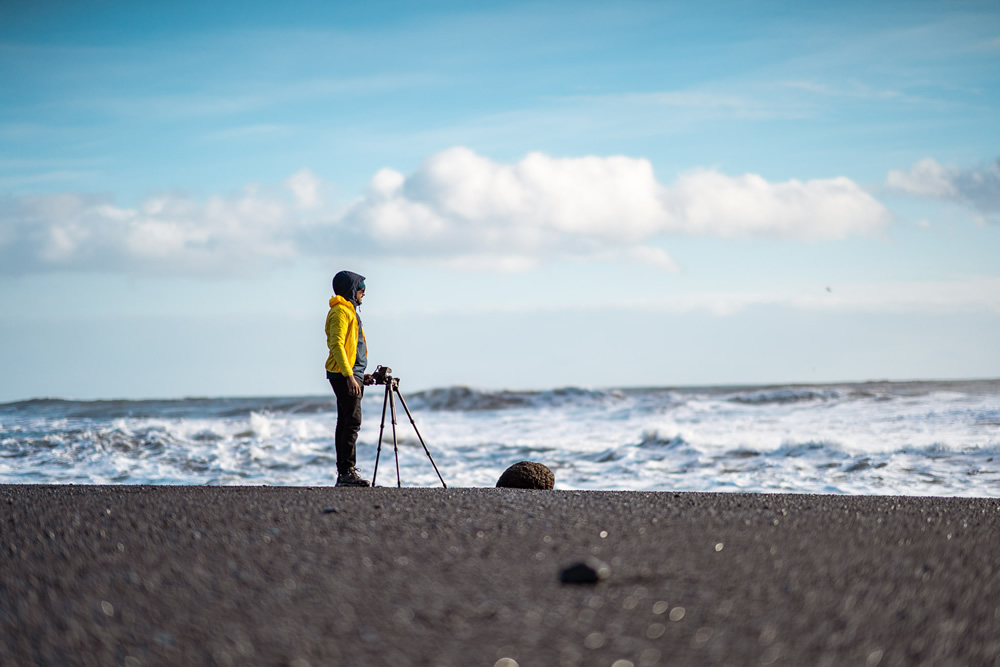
926	178
709	203
458	208
306	187
551	204
976	187
171	234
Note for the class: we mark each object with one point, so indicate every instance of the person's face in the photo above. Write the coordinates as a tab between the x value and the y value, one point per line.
360	294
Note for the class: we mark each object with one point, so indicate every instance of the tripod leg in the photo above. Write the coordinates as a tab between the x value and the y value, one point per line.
419	437
381	428
395	447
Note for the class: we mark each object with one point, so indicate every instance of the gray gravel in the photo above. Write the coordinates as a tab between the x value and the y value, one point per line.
140	575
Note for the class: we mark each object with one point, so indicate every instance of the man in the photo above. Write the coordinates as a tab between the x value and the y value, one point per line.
345	369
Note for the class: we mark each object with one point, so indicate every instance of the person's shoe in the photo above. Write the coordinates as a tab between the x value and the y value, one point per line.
351	478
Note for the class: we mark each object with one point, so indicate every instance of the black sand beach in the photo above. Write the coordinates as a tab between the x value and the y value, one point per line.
140	575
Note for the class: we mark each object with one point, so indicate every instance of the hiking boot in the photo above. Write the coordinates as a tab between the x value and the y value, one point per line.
351	478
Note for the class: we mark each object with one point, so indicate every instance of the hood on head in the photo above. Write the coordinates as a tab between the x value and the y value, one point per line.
346	284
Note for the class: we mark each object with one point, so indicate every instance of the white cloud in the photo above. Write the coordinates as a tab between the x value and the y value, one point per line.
386	182
976	187
926	178
709	203
567	205
306	188
458	208
166	234
655	257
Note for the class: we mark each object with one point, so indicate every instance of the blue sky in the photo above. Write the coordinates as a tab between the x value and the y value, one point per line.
540	194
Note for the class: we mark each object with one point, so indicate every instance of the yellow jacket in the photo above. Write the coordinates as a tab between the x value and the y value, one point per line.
342	336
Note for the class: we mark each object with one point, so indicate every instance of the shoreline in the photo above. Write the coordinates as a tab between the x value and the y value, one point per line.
145	575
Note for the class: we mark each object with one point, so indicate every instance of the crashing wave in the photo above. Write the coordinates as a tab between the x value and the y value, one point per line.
786	395
461	398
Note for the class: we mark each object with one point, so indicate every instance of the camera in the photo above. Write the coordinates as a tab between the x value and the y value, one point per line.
382	375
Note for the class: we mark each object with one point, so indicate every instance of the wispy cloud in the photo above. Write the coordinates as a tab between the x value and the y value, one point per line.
238	99
969	294
56	176
853	89
698	104
50	163
22	130
990	44
722	102
458	208
963	294
245	132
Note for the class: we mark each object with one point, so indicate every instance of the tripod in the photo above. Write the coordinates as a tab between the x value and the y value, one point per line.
382	376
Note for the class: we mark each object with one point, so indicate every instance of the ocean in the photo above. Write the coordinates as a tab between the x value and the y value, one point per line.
909	438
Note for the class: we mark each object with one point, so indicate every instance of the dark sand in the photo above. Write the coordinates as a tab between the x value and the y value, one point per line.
130	575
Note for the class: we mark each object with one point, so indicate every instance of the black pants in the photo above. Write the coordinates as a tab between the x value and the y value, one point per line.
348	421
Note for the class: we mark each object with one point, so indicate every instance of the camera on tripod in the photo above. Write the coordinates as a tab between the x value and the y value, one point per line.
382	375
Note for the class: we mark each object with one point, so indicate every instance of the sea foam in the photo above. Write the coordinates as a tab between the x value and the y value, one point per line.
914	438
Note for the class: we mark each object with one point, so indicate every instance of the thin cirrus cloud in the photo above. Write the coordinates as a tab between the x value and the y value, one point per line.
458	208
962	294
975	187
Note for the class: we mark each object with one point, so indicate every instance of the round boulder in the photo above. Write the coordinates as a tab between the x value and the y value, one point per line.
527	475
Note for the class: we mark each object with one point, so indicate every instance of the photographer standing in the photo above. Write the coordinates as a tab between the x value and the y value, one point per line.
345	369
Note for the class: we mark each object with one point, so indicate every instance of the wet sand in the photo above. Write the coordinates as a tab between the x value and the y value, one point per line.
140	575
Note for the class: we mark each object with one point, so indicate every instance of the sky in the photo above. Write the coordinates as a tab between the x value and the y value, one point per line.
540	194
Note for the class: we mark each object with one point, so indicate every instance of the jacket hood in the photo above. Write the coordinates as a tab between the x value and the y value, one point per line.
336	299
346	284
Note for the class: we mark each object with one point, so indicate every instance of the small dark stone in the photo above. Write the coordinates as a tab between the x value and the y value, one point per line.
527	475
589	571
331	510
164	639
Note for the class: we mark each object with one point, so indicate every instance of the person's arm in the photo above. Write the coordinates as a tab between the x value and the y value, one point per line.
336	340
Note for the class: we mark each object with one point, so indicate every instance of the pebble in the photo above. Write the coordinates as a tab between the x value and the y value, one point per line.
588	571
